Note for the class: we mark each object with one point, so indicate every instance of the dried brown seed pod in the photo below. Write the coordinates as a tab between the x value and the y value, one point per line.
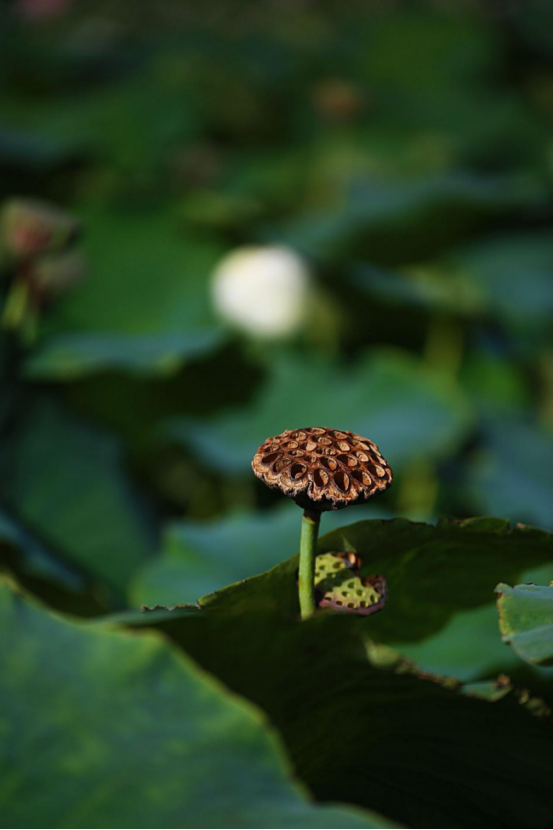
321	468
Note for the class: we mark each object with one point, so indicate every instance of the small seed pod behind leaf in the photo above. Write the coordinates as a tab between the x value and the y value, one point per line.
321	468
340	587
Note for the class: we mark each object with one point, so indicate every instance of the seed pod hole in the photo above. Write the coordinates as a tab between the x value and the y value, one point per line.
362	477
297	471
348	460
341	480
280	465
320	477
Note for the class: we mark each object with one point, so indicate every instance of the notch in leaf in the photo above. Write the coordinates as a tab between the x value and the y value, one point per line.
320	469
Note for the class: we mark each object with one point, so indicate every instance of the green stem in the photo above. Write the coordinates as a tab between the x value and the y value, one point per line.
308	545
16	306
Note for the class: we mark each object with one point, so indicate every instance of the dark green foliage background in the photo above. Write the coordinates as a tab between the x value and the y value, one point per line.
406	151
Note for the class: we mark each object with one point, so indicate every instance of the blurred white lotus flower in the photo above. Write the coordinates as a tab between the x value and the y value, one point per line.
264	290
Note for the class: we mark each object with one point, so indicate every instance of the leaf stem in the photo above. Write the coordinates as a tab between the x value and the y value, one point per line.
308	545
16	306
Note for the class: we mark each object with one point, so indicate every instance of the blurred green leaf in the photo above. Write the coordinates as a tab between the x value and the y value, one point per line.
421	289
70	356
513	475
147	105
25	149
496	384
45	575
416	214
200	557
532	26
133	735
514	275
144	276
387	396
526	620
66	482
133	404
360	725
459	49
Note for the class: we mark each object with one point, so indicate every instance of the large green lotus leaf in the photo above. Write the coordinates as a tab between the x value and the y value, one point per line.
70	356
526	620
468	647
440	610
387	396
513	475
65	480
106	729
200	557
448	583
435	572
360	726
144	276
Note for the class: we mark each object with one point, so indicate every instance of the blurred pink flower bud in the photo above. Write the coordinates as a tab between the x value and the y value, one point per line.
30	227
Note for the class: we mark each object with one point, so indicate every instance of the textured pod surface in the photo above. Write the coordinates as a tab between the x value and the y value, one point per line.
339	585
321	468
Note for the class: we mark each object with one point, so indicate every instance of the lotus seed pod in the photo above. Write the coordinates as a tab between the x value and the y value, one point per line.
321	468
29	228
264	291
